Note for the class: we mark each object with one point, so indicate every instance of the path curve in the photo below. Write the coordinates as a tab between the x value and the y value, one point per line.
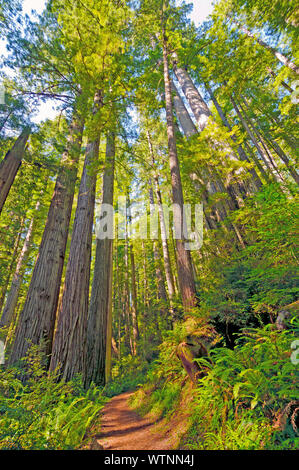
123	429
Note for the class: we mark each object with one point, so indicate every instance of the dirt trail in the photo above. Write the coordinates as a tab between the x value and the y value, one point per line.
123	429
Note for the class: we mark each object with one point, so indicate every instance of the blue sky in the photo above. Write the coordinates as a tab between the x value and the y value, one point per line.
201	10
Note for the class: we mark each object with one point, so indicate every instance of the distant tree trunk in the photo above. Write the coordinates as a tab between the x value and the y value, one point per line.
281	57
134	309
185	272
162	294
210	180
252	136
69	344
284	84
165	248
101	292
10	165
16	283
243	157
37	318
127	309
5	284
267	154
278	150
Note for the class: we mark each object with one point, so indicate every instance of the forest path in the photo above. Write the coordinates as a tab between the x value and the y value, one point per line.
123	429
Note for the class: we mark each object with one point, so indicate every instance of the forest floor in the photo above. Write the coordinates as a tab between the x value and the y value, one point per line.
121	428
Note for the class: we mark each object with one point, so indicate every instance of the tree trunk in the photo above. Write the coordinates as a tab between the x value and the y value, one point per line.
251	136
10	165
185	273
17	279
6	282
267	154
243	157
165	248
284	84
135	329
281	57
162	294
278	150
37	319
69	344
236	191
199	107
189	128
99	307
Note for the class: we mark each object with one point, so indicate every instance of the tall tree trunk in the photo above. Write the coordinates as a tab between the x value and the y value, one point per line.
37	319
284	84
162	294
6	282
68	353
17	279
127	308
185	272
165	248
236	191
243	157
252	136
10	165
281	57
198	105
278	150
211	181
134	309
101	293
267	154
189	128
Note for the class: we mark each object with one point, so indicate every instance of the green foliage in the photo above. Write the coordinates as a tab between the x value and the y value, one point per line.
127	374
246	399
42	414
248	286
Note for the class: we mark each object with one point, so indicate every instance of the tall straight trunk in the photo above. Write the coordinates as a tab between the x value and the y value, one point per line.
17	279
162	294
252	136
284	84
242	154
198	105
134	309
236	191
37	319
165	248
127	309
267	154
68	352
281	57
5	284
101	292
185	272
278	150
10	165
181	111
211	181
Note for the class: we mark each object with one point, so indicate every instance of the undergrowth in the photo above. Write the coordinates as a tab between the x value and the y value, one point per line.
41	413
247	399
